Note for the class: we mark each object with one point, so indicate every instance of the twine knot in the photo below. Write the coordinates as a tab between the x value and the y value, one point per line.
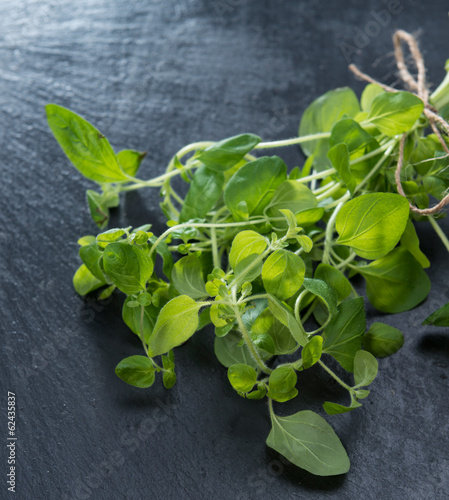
418	87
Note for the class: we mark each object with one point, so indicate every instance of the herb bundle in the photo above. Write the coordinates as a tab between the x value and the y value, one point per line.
266	255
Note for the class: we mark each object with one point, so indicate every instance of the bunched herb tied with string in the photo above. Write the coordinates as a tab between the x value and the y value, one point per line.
265	255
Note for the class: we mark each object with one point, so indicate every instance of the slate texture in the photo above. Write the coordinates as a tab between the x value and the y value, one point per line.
157	75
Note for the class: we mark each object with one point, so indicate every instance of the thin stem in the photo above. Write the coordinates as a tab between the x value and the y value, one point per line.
309	311
329	192
439	232
294	140
145	348
319	175
209	225
366	156
324	188
246	337
253	297
330	229
296	310
270	408
377	166
345	262
333	375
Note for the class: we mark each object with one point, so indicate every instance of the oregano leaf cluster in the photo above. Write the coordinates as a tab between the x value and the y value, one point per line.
262	254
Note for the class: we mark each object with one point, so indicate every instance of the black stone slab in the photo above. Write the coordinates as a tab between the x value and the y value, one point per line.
157	75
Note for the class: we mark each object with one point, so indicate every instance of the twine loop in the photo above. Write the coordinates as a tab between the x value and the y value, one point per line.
418	87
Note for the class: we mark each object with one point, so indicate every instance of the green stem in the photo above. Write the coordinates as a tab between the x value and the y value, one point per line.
246	337
324	188
318	175
253	297
333	375
243	273
293	141
309	311
330	229
145	348
377	166
439	232
329	192
270	408
208	225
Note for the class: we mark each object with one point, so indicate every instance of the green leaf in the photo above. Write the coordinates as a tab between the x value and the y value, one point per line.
103	239
131	317
335	278
359	143
229	351
410	241
253	311
99	211
242	377
382	340
255	183
130	160
169	379
164	252
438	318
85	240
311	352
395	112
244	244
395	283
85	282
309	217
308	441
266	323
176	323
369	93
339	157
205	190
137	371
91	256
283	274
293	196
305	242
281	384
324	291
263	341
248	269
86	147
187	276
372	224
289	217
107	292
365	368
220	313
343	335
259	393
127	266
321	116
285	316
336	409
224	154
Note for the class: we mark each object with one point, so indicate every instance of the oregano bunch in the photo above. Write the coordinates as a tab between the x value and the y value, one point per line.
265	255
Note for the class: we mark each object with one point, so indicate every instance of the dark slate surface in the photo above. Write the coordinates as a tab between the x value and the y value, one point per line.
157	75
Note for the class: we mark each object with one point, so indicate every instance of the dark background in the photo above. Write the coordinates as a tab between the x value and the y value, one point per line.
157	75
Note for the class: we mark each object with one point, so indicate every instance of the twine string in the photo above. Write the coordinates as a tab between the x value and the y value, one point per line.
419	88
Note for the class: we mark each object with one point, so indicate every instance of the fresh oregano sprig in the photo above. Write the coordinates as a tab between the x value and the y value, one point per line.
265	256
